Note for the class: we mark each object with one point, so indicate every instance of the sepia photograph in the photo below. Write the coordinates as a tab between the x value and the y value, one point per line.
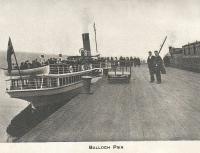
99	71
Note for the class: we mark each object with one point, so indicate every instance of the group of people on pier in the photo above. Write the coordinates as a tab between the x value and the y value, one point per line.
155	65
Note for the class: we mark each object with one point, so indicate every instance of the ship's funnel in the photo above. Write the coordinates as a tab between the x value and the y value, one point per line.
86	43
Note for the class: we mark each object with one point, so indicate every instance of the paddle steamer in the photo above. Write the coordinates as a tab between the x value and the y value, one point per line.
53	83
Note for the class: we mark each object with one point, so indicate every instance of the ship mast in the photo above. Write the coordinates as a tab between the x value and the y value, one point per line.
95	37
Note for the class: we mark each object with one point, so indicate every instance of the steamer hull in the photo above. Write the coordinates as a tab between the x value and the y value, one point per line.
42	91
40	98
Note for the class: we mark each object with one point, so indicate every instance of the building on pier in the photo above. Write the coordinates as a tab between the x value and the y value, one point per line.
187	57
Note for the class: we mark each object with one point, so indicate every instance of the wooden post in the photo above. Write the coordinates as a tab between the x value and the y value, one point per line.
86	84
21	85
49	80
42	83
58	82
35	83
58	69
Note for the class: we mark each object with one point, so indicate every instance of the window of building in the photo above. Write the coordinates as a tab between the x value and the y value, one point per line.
184	52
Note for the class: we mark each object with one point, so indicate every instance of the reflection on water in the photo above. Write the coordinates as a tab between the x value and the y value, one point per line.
27	119
8	108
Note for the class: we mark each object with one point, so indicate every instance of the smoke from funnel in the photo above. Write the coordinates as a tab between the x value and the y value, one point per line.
86	20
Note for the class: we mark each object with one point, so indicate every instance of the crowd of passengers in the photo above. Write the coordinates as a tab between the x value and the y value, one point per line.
79	61
29	65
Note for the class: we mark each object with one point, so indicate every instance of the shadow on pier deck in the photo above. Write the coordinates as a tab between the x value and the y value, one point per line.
128	112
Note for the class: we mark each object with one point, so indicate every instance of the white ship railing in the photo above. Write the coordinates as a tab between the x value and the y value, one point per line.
67	68
49	81
67	74
42	83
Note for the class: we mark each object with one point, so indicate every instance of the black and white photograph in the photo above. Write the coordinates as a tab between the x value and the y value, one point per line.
99	71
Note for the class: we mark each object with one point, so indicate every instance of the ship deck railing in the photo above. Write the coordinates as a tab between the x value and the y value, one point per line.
67	68
60	75
39	84
47	81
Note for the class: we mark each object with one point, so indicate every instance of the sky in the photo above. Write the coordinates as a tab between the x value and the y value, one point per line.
124	27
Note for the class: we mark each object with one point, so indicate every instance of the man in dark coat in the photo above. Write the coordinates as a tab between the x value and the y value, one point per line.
158	63
150	62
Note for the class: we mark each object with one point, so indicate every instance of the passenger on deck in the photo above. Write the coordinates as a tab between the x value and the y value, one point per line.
22	66
42	60
38	64
27	65
70	68
90	66
82	67
35	64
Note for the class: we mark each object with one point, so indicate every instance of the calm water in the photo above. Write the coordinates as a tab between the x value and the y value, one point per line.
9	108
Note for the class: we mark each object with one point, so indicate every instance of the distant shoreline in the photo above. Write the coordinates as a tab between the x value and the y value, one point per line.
23	56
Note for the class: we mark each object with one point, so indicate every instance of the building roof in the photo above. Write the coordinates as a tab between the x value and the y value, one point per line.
193	43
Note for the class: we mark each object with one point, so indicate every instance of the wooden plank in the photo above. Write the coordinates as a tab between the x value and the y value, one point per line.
136	111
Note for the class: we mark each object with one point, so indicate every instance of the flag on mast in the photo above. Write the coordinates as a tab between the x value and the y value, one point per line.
10	51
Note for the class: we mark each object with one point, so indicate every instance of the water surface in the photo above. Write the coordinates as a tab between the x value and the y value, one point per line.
9	107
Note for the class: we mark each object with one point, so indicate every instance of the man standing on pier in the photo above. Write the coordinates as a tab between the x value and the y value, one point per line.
150	62
158	63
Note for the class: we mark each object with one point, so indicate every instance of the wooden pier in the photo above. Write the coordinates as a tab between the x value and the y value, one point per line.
135	111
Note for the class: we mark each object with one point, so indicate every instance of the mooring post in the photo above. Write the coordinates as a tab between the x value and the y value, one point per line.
105	71
86	84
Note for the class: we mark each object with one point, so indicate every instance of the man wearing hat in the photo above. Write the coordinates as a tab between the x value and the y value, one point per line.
150	62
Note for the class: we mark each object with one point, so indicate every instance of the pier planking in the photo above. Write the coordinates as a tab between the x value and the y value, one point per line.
135	111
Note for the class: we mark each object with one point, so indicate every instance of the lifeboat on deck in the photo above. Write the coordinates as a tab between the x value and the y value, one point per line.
34	71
